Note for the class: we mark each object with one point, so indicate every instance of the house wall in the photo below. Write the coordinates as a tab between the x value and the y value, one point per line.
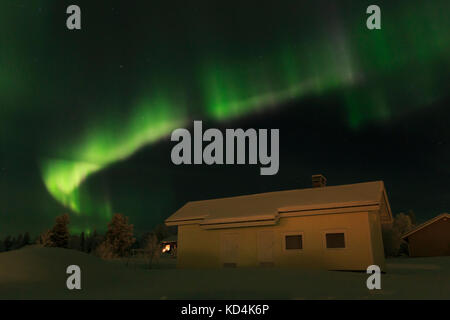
433	240
202	248
377	239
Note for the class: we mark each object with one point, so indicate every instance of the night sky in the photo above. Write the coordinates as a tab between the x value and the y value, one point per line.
86	116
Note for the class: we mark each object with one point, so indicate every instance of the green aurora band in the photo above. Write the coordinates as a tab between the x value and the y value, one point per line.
102	146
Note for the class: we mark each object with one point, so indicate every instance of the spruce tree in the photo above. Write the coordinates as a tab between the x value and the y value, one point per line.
119	236
26	239
18	242
7	243
59	235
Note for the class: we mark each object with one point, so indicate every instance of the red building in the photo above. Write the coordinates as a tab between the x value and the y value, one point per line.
431	238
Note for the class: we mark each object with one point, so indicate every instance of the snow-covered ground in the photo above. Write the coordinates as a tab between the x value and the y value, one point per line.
40	273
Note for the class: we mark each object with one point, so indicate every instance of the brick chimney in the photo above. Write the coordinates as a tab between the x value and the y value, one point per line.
318	181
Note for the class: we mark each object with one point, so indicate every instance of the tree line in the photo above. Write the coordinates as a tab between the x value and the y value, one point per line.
13	243
118	241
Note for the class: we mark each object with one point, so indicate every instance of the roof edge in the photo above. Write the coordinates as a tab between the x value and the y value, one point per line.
425	224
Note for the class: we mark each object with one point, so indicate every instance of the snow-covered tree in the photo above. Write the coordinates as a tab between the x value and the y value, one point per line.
393	244
119	237
59	234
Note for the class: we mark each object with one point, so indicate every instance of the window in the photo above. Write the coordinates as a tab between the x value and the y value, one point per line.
335	240
294	242
229	265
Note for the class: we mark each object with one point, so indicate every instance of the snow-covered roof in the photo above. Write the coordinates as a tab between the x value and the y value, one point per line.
426	223
265	207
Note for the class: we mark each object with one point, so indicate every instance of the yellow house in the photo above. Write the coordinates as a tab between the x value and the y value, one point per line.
334	228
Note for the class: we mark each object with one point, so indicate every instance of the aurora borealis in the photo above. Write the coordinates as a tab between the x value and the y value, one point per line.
80	108
104	145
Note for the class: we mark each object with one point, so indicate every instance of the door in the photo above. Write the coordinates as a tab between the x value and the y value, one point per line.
265	248
230	249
